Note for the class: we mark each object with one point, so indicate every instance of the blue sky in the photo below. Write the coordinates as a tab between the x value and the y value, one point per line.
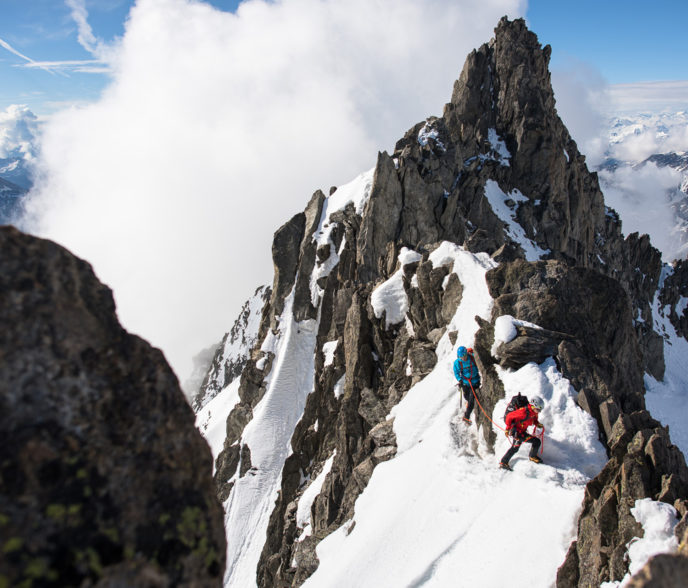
45	31
625	41
224	112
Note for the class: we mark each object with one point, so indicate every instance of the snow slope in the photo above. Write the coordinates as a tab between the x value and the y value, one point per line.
211	420
504	206
441	512
269	433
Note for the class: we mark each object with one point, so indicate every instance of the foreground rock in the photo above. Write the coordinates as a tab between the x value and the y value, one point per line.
103	478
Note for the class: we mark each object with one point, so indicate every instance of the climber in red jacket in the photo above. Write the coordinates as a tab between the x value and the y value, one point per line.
517	423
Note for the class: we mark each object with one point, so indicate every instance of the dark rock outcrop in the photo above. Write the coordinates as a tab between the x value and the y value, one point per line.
643	464
103	477
662	571
666	569
675	290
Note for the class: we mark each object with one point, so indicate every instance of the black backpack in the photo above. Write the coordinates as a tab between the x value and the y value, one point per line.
518	401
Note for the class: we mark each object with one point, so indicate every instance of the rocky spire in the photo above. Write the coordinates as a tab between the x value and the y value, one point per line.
497	173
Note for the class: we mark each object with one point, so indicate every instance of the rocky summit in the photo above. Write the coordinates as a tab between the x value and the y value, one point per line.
103	478
498	175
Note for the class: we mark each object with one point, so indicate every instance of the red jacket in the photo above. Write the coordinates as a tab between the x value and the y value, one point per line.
521	419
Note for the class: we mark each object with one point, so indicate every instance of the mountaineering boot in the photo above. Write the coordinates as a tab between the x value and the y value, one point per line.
505	466
467	421
535	458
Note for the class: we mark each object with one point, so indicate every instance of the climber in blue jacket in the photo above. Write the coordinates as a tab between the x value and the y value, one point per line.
467	374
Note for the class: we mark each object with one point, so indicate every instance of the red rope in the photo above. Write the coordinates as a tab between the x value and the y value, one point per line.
481	407
542	440
541	436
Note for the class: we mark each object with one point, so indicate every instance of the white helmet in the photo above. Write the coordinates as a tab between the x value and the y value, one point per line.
537	403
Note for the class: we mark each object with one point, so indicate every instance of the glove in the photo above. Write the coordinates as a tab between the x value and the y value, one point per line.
508	433
540	426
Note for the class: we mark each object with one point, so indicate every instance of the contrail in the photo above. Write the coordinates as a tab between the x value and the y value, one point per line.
33	63
11	49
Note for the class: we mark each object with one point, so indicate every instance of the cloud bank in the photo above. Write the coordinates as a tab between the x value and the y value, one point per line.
643	196
649	96
581	95
19	129
217	128
628	123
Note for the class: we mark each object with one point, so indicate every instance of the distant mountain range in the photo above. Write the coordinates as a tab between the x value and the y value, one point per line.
19	130
10	200
646	170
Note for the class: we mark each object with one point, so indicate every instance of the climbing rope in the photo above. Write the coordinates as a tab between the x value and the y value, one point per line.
541	436
481	407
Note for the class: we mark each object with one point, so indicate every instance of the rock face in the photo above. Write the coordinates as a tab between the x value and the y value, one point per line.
589	332
643	464
231	356
498	146
674	291
104	479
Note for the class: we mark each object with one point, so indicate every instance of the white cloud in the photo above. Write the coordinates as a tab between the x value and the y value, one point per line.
217	128
18	128
649	97
629	123
643	196
87	39
581	93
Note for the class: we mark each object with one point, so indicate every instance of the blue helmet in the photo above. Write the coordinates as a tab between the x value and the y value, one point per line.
461	352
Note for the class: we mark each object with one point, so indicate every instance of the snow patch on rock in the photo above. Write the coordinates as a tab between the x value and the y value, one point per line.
498	201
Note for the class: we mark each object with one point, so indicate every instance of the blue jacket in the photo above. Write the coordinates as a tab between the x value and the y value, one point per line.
467	371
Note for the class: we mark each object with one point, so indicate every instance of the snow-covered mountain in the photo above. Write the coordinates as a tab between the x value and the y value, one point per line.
10	201
19	129
645	177
341	458
229	359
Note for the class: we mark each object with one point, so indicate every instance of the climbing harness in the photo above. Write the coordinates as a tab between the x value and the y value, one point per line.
541	436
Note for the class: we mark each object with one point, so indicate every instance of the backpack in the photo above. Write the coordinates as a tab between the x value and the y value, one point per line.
518	401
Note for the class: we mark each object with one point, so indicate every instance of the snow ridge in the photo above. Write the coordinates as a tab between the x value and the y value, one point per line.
435	512
268	435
